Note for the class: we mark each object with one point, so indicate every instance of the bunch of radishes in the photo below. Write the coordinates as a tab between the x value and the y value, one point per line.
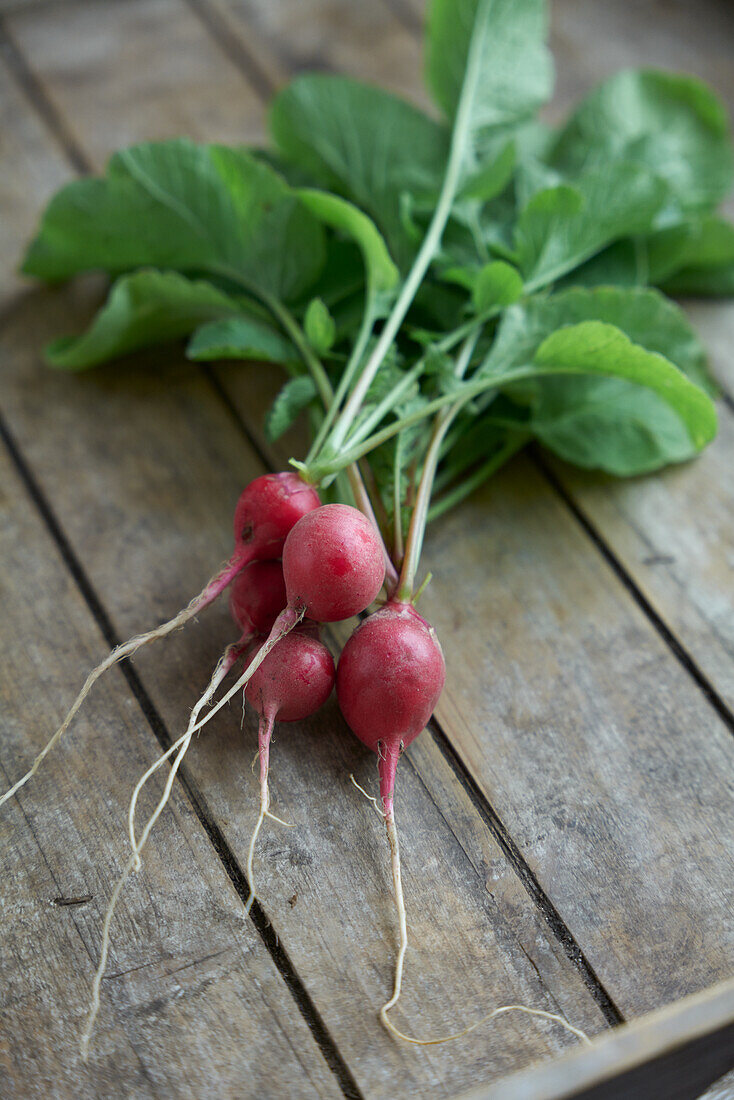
297	564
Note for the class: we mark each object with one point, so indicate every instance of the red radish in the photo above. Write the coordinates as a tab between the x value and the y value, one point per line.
267	510
334	567
390	676
388	682
257	597
293	681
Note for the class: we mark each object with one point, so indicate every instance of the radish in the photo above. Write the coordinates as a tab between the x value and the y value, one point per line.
389	679
293	681
334	567
266	511
257	597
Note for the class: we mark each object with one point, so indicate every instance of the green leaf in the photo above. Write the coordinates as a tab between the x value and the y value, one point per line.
193	208
142	310
497	285
702	282
596	347
706	266
319	327
364	143
563	226
382	274
294	397
608	423
672	125
491	176
516	71
646	316
241	338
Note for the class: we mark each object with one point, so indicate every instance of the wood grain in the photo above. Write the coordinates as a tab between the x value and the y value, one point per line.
364	40
182	959
31	164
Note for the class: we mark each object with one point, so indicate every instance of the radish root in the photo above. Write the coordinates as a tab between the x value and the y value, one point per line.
126	649
264	733
392	836
133	864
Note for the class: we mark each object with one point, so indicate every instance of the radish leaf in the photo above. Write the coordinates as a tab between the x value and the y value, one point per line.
194	208
670	124
241	338
294	397
319	327
364	143
142	310
516	70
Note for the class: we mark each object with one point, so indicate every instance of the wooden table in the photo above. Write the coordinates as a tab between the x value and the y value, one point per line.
566	822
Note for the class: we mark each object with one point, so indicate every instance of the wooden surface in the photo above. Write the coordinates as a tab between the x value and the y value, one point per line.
567	821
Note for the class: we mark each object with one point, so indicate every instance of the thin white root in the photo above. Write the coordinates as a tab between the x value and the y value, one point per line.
132	864
264	812
216	585
397	987
370	797
224	665
288	824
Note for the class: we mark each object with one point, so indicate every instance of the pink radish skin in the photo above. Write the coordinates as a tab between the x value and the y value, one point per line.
293	681
257	597
333	563
267	510
390	676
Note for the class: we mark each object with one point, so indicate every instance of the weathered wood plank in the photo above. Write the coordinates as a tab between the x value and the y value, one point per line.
182	959
672	1053
169	463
